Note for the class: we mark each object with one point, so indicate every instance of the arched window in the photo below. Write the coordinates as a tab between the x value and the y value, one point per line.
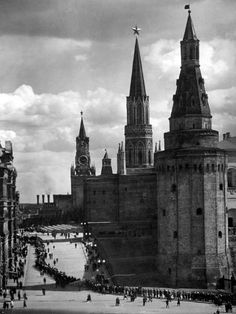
230	222
185	53
231	177
191	53
197	53
139	114
147	118
149	157
134	115
130	156
140	157
173	188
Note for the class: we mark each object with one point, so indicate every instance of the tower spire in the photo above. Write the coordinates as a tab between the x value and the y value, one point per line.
137	86
138	131
191	111
189	33
82	133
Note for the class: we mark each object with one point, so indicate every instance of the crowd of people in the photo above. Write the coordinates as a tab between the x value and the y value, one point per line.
12	294
60	277
100	283
107	287
218	298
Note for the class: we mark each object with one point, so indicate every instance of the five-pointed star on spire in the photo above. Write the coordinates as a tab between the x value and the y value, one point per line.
136	30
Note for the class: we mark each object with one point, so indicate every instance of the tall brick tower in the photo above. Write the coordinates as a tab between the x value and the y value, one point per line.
191	183
106	165
81	171
138	131
82	157
121	160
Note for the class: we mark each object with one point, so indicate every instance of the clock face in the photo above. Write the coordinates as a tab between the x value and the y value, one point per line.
83	159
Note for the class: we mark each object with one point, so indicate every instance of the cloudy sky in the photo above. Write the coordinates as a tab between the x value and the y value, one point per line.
59	57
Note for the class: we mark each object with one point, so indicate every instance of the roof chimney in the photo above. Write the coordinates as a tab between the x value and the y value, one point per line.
43	198
37	199
48	198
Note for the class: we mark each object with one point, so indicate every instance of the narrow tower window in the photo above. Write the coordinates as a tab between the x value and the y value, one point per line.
191	53
140	157
139	114
173	188
197	53
134	116
199	211
230	222
147	120
130	156
149	157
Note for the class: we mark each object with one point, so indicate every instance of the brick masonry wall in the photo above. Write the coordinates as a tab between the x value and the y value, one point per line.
190	217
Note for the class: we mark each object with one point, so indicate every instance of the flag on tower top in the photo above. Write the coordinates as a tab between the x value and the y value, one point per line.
187	6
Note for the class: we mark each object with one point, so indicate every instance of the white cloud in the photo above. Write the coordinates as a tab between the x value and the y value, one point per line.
164	54
81	57
104	107
43	128
216	59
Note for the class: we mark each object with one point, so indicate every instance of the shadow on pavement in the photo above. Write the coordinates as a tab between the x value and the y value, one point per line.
52	287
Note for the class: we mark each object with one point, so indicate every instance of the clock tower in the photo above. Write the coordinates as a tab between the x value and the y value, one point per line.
82	157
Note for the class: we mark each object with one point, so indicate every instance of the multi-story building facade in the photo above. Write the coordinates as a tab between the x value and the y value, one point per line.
9	201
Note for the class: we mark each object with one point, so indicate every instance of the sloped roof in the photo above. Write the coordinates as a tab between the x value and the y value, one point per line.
137	86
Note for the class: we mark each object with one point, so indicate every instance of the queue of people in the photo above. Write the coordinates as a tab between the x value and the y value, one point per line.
60	278
148	294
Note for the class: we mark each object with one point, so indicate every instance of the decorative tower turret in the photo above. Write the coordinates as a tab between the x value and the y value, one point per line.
138	131
82	157
121	160
190	121
106	165
191	184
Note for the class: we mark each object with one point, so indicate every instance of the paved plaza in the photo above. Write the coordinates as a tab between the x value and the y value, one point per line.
71	259
75	302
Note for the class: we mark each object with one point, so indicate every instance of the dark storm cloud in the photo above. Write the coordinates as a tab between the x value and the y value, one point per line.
98	20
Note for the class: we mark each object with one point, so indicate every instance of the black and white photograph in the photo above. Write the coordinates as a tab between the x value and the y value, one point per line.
117	156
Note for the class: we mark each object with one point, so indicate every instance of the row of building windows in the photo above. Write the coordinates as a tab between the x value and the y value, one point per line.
174	187
175	234
103	192
195	167
199	212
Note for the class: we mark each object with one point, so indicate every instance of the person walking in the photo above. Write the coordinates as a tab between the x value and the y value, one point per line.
19	296
144	300
12	304
43	291
117	301
167	303
24	303
178	301
25	296
89	298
